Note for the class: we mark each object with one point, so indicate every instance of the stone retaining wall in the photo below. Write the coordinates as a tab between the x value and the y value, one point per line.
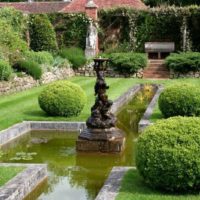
26	82
191	74
88	71
22	184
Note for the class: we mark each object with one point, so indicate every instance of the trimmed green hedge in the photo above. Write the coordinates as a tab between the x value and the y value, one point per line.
168	154
181	99
127	62
42	33
30	67
62	98
5	70
74	55
183	62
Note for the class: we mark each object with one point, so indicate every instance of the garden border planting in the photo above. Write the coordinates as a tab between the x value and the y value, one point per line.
22	184
111	187
18	130
144	122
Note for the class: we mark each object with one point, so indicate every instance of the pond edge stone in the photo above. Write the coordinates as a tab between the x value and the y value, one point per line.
24	182
112	185
145	120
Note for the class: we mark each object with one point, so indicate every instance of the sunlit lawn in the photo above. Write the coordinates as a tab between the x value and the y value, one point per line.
24	105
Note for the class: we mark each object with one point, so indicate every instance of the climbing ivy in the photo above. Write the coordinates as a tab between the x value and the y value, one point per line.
71	29
180	25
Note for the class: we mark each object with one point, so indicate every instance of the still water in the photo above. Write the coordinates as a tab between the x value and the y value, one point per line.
72	175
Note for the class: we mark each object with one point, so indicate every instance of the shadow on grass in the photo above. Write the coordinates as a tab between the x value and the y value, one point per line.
134	188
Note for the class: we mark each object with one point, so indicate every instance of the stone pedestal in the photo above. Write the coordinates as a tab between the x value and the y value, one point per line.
101	140
90	53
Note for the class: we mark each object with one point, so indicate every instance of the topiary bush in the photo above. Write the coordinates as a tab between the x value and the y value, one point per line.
183	62
42	33
41	57
5	70
168	154
30	67
62	98
181	99
74	55
127	62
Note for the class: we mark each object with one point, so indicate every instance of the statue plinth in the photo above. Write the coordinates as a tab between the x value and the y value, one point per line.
101	134
101	140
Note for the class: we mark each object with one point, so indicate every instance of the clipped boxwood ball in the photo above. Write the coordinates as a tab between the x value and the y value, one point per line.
62	98
181	99
168	154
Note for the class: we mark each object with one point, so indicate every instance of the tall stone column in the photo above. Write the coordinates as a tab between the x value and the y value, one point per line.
91	49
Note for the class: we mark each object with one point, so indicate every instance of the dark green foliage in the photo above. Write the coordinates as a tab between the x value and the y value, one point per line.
11	44
5	70
184	62
168	154
127	62
74	55
41	57
155	24
30	67
181	99
16	19
71	29
62	98
42	34
171	2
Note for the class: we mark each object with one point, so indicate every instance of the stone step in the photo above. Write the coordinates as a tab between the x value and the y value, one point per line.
156	76
156	61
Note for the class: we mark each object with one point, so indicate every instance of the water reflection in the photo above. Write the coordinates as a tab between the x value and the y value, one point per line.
77	175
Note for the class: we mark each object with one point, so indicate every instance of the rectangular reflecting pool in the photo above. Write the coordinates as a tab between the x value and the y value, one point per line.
72	175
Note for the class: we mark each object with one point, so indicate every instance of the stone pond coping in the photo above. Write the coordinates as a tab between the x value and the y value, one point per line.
23	183
145	120
112	185
18	130
33	174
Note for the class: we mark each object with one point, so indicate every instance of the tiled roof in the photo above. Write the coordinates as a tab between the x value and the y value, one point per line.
71	6
37	7
79	5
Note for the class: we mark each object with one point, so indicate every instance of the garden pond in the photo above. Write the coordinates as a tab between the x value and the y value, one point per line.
75	175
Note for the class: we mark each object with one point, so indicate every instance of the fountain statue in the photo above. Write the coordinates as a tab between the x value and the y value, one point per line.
101	134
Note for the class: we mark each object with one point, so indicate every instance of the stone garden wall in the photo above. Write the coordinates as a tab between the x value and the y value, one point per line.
26	82
191	74
88	71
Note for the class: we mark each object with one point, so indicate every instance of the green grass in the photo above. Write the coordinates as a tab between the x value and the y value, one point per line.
24	105
133	188
7	173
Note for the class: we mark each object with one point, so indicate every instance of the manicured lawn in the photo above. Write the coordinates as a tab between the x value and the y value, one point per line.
133	188
24	105
7	173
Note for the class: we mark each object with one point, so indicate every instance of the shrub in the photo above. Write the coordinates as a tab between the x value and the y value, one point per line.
184	62
61	62
11	43
30	67
168	154
181	99
127	62
42	34
5	70
41	57
74	55
62	98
